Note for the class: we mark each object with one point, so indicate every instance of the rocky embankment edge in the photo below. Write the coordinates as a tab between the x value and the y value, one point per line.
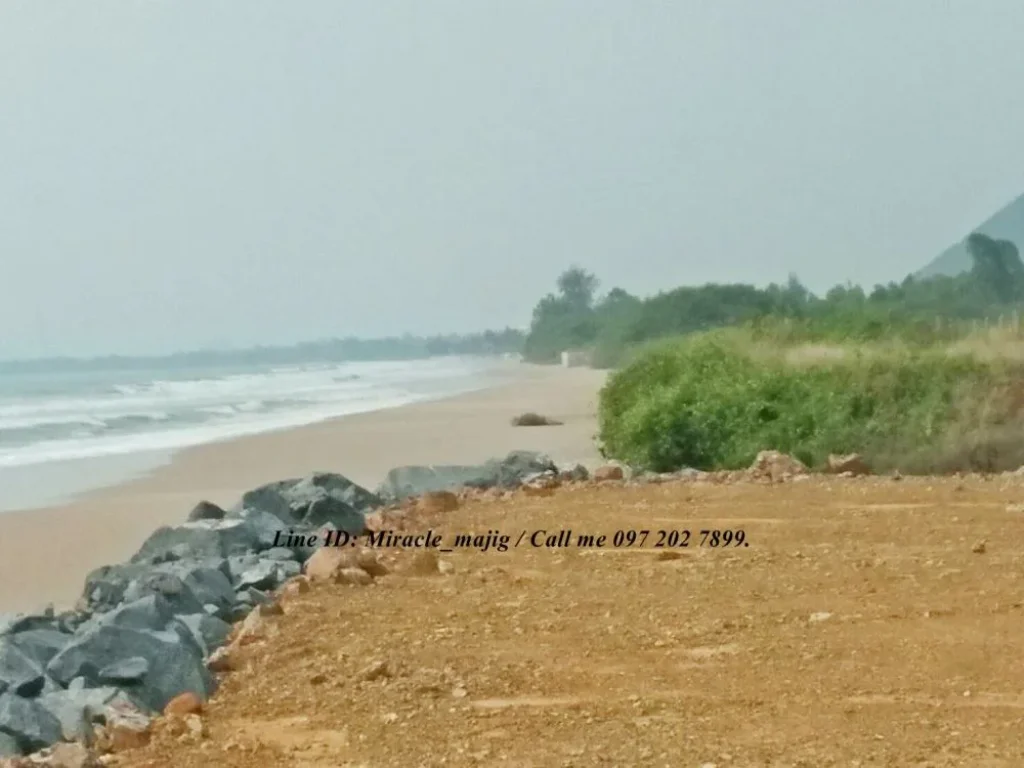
147	639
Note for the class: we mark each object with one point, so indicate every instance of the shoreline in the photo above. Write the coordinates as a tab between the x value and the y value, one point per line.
64	478
46	552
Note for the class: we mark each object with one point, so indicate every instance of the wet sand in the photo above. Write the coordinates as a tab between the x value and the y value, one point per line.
46	553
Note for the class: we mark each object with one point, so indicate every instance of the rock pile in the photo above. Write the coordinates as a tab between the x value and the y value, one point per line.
152	631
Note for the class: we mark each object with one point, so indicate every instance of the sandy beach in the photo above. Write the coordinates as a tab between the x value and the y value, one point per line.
46	553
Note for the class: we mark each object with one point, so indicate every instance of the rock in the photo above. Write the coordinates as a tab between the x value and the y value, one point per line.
287	569
296	586
320	498
15	623
208	585
72	756
574	473
9	746
776	466
852	463
520	464
198	540
124	671
79	708
404	482
979	548
19	673
279	554
263	574
436	502
31	725
263	525
127	728
328	563
819	616
105	586
353	576
690	474
341	516
251	596
534	420
256	626
220	660
541	481
167	586
608	472
176	661
150	612
184	704
206	510
209	631
40	645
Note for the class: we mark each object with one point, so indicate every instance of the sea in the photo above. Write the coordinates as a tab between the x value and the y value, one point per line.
67	430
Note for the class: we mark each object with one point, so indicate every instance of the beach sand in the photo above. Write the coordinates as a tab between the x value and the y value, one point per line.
45	554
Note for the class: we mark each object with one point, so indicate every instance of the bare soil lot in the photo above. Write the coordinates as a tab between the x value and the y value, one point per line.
869	622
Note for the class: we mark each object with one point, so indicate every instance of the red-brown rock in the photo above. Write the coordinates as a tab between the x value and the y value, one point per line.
608	472
183	704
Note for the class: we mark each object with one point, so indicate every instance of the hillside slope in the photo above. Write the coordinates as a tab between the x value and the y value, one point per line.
1006	224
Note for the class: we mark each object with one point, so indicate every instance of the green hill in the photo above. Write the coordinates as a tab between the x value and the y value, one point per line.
1006	224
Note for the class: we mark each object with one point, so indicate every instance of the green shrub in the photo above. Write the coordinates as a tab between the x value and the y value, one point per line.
714	401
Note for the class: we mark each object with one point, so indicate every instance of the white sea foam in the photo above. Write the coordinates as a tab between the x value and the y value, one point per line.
112	413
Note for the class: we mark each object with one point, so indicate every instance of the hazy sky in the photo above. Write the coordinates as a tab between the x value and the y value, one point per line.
178	173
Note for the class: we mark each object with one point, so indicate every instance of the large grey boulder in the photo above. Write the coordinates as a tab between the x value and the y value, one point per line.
19	673
262	574
13	623
149	612
264	526
509	472
171	587
197	540
175	661
209	631
105	586
78	709
29	723
208	585
129	671
9	746
40	645
312	501
403	482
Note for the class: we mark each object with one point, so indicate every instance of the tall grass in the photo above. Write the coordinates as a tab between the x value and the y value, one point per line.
713	401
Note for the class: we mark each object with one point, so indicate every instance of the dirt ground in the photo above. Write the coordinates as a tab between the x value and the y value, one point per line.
867	622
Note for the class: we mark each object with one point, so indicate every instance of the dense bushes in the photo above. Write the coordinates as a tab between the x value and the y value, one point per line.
714	400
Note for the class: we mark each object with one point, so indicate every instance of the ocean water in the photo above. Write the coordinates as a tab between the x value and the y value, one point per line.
54	422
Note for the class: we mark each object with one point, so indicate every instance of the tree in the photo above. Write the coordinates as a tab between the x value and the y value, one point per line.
997	266
577	287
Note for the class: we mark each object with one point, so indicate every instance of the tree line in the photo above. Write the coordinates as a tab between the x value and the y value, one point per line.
610	325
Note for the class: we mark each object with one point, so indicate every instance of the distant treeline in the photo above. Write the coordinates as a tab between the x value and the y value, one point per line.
915	311
406	347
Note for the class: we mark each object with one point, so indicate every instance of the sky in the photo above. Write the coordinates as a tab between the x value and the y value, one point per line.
177	174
